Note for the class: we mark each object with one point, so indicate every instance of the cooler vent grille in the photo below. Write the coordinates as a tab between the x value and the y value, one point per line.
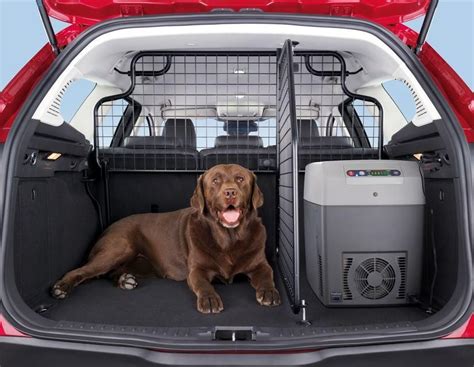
347	294
402	265
374	278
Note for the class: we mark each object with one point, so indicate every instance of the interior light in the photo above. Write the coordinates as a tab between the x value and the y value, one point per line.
53	156
239	71
239	96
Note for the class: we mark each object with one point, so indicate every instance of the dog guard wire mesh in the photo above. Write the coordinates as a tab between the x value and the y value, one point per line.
206	109
188	112
333	122
267	111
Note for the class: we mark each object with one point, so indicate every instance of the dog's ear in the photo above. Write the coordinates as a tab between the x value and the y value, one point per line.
257	196
197	200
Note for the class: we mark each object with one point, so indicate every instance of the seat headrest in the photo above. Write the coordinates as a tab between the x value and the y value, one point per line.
307	128
240	127
244	141
332	142
150	142
182	130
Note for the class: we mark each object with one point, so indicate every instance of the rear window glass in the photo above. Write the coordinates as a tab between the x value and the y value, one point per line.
74	97
402	97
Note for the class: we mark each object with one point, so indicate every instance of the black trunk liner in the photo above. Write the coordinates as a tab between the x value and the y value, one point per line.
166	303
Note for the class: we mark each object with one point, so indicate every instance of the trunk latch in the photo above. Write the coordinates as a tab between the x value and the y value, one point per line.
234	334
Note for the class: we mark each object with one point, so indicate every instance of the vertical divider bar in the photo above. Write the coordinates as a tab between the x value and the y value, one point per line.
289	257
295	172
277	157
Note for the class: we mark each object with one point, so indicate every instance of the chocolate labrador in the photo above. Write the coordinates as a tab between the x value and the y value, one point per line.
219	236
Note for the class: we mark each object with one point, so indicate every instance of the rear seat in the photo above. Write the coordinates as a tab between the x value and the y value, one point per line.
315	148
246	150
174	150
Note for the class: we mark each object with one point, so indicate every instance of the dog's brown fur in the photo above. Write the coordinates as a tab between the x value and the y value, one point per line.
191	243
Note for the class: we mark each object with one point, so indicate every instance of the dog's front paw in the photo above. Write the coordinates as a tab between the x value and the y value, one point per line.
127	281
268	297
209	303
61	290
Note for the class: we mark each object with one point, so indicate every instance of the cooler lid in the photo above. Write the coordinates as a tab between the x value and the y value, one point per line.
364	183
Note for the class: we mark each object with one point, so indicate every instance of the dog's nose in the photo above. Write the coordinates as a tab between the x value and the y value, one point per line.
230	193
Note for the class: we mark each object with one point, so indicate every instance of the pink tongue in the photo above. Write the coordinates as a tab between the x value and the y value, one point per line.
231	216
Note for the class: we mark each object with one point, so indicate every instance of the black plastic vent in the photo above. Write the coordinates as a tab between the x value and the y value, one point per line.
347	294
402	265
374	278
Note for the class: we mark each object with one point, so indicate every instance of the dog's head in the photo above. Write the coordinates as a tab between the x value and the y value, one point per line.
227	192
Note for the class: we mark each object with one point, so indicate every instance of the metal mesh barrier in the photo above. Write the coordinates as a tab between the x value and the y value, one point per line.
334	123
190	112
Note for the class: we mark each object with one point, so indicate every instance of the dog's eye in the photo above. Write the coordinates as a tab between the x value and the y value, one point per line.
215	181
239	179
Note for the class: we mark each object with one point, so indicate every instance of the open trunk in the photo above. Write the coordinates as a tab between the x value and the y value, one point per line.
158	119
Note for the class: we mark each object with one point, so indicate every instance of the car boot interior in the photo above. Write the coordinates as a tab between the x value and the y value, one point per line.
157	119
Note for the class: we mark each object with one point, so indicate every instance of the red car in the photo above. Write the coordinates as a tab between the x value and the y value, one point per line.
368	207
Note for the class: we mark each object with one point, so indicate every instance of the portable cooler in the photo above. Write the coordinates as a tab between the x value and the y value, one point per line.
363	231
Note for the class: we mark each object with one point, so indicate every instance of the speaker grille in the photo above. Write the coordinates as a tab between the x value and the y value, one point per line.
374	278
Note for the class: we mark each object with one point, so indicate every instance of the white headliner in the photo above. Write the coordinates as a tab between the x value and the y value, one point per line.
115	49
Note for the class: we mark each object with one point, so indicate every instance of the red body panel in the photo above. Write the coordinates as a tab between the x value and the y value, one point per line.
465	331
15	93
92	11
7	330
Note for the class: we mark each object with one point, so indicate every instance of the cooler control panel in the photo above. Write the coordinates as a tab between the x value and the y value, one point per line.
373	173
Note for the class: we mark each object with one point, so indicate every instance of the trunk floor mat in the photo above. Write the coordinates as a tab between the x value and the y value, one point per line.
166	303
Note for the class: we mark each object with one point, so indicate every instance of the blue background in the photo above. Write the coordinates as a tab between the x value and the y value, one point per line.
22	35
